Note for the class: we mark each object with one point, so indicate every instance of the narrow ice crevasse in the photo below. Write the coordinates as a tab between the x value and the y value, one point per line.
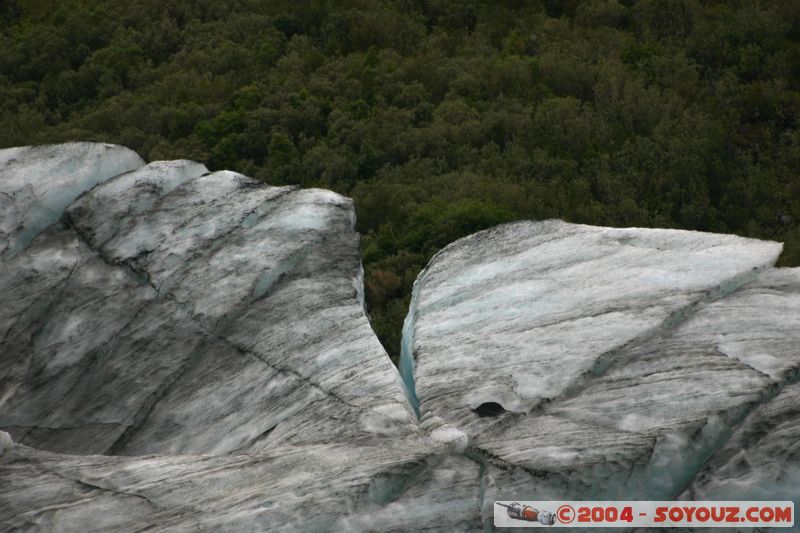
483	503
734	424
407	348
676	459
406	366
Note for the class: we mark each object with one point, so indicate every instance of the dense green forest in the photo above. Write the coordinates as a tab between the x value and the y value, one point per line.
439	117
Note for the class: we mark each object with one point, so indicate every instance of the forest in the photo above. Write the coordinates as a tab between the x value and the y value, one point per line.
438	117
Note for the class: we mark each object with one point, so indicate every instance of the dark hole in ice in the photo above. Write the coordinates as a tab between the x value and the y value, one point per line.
489	409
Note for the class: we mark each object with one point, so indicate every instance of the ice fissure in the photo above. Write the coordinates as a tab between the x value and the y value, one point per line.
406	364
748	417
175	337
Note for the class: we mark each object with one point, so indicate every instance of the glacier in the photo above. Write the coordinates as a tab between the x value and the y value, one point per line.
185	349
38	182
604	363
195	302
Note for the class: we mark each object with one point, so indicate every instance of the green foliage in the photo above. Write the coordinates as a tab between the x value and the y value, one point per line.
439	117
438	223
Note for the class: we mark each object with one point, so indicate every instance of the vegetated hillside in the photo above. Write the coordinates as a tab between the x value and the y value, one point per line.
440	117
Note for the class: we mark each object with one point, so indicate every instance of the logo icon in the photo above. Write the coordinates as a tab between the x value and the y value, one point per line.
529	514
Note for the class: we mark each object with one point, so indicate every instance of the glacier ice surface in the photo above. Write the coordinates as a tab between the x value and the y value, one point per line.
38	182
586	362
188	350
174	327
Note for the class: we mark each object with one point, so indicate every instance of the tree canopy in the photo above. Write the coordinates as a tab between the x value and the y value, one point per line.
439	117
